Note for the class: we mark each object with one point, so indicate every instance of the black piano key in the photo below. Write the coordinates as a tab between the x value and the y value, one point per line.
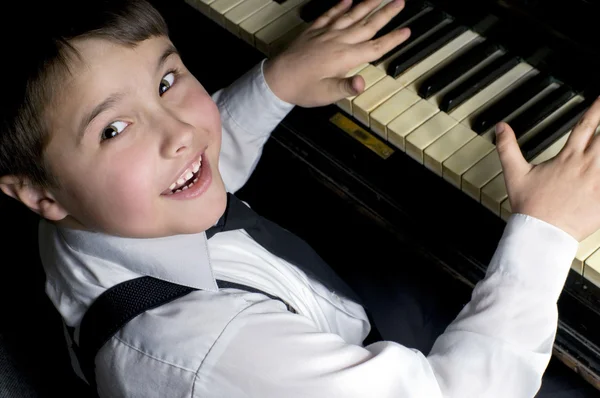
418	28
425	48
554	131
511	102
539	111
456	68
411	10
478	81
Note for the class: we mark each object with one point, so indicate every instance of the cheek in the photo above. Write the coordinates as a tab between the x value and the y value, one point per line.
203	112
122	190
128	182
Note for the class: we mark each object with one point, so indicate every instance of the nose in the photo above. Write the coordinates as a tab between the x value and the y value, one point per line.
176	136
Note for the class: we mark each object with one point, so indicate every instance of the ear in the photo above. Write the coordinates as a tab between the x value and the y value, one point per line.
36	198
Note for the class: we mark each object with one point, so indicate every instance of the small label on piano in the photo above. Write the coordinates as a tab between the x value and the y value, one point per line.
362	135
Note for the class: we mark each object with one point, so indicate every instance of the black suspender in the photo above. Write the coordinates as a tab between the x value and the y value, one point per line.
123	302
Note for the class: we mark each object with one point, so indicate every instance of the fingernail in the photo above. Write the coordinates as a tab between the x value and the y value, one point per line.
499	128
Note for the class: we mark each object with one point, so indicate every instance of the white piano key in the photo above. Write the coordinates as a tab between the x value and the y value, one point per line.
468	121
408	121
436	153
437	98
264	17
490	92
268	35
390	109
426	134
463	159
448	51
386	62
505	210
241	12
374	96
371	75
586	248
591	268
453	49
494	193
201	5
219	7
474	179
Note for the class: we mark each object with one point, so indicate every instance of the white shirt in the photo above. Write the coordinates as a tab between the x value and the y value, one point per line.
231	343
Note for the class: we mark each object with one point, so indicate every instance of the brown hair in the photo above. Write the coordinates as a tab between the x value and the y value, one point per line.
38	53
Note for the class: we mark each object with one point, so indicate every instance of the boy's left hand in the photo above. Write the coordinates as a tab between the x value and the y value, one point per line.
312	70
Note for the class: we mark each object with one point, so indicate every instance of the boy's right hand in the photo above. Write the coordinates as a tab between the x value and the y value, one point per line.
563	191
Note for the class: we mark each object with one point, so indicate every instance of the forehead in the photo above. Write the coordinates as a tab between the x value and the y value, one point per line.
101	61
100	68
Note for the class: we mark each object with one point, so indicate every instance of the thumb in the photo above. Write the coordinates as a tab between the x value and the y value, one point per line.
333	89
352	85
513	163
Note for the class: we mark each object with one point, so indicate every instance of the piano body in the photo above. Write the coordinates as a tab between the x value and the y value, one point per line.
417	146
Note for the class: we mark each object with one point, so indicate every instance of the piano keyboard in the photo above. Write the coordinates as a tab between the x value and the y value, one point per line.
438	96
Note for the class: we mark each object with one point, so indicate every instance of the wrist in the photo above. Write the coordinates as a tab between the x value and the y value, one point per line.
275	79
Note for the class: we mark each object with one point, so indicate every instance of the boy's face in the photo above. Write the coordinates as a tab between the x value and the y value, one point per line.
130	123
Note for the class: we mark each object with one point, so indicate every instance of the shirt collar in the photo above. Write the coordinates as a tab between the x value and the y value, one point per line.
182	259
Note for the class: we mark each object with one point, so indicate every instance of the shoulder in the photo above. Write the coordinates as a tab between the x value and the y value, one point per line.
161	351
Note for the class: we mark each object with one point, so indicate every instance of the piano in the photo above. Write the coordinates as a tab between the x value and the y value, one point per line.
417	146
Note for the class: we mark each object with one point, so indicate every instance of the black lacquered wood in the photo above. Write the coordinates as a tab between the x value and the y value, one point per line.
425	48
411	9
457	68
511	102
539	111
418	28
554	131
478	81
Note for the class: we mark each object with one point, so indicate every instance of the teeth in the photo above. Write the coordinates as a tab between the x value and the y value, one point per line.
189	173
184	188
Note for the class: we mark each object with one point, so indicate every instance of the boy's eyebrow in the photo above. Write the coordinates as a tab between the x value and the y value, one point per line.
101	107
114	98
170	50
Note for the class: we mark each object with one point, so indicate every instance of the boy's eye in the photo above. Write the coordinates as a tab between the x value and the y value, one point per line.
166	83
112	130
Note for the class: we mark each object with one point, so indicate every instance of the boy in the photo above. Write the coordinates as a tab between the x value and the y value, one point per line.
128	161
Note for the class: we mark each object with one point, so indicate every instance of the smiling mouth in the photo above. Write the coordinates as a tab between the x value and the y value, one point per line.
187	179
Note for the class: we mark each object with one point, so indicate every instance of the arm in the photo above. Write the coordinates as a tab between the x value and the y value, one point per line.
498	346
311	72
249	113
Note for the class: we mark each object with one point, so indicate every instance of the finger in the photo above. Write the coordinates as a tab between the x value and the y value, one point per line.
584	129
370	26
332	14
355	14
375	49
335	88
513	163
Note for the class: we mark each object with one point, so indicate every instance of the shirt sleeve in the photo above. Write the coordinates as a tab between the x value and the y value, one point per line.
498	346
250	111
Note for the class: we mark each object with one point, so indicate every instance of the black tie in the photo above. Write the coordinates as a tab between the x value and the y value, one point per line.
281	243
